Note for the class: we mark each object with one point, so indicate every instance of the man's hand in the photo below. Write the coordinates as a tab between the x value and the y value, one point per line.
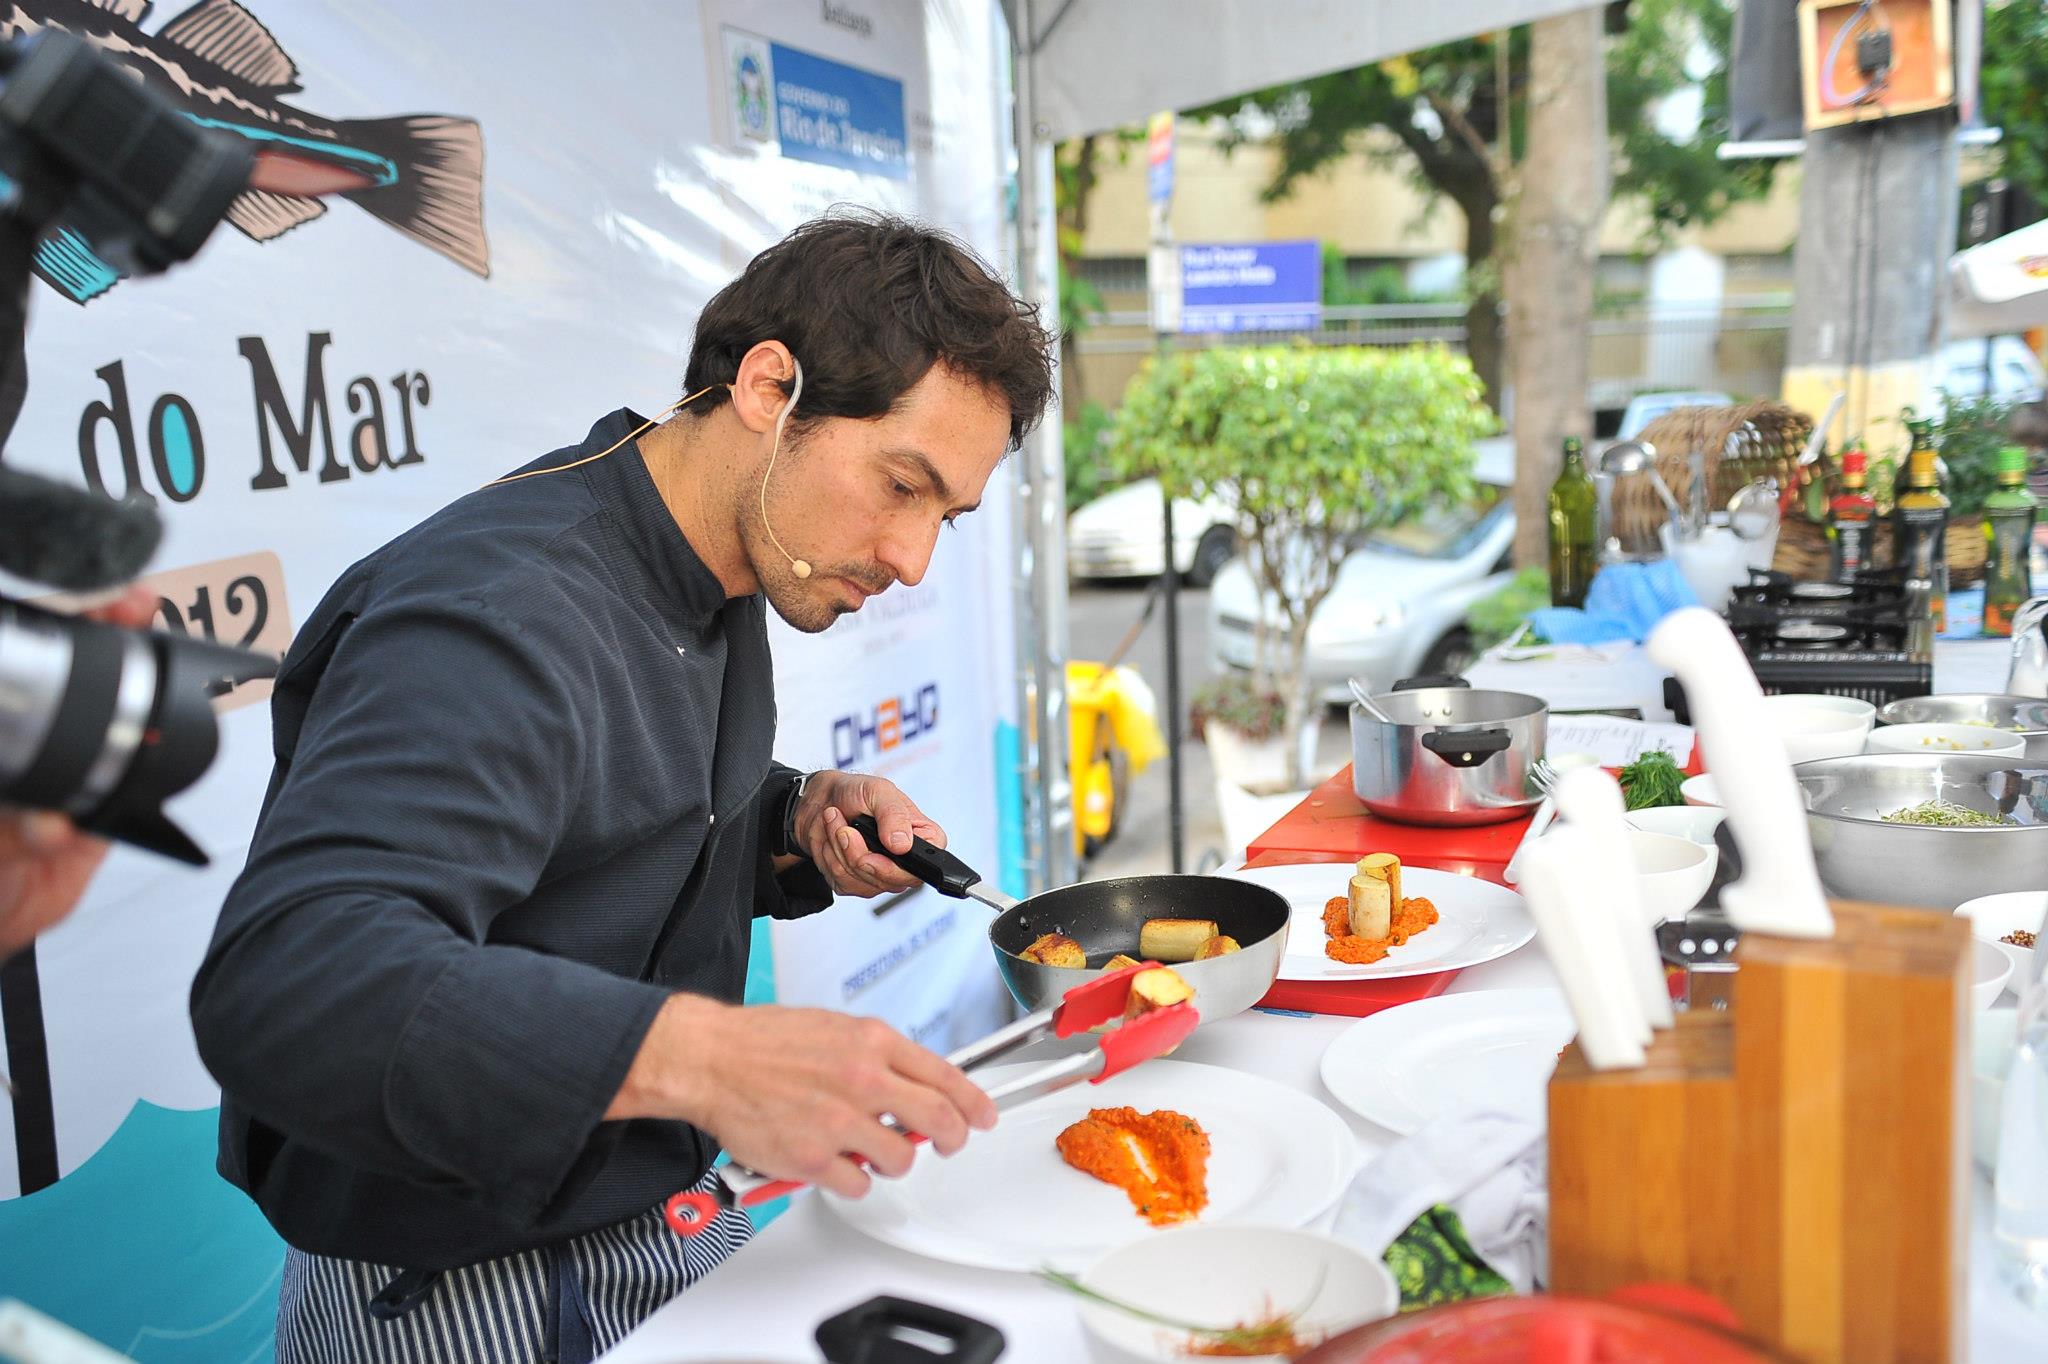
800	1093
45	862
822	831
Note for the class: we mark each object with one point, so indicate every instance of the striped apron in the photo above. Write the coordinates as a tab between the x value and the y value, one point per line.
560	1304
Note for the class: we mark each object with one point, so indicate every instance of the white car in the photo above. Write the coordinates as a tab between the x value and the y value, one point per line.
1645	408
1122	534
2016	373
1398	609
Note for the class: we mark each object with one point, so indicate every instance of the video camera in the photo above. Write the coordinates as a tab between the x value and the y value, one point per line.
100	723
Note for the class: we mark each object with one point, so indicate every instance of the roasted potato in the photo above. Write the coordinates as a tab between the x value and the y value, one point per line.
1217	946
1159	988
1383	867
1055	949
1119	962
1372	907
1174	939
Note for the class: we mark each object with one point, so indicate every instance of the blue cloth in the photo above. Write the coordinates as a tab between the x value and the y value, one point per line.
1625	602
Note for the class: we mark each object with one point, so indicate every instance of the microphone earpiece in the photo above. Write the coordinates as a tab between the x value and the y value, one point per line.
796	565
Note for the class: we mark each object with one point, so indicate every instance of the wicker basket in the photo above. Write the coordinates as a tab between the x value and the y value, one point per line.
1803	550
1737	446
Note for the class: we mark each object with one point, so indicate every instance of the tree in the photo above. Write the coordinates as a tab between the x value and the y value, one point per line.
2014	80
1443	107
1553	252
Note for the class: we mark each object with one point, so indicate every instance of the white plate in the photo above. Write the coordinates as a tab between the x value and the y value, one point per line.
1490	1049
1007	1201
1476	921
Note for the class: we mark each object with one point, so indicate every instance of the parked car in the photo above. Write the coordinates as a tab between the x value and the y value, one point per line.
1398	608
2016	373
1122	534
1645	408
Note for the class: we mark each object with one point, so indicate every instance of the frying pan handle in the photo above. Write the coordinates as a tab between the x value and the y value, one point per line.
928	862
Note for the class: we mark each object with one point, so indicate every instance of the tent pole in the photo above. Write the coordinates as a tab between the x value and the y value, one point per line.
1042	647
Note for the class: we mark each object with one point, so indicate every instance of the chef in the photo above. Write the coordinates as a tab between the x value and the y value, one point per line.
474	1002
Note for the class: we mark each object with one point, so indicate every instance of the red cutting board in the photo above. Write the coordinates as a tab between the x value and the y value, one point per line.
1332	821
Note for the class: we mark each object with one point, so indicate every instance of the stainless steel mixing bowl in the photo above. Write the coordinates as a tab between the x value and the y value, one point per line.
1861	857
2026	716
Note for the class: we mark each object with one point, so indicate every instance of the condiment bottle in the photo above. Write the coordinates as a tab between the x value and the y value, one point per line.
1851	516
1922	533
2009	532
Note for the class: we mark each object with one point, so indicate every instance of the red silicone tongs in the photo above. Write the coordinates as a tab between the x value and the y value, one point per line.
1085	1006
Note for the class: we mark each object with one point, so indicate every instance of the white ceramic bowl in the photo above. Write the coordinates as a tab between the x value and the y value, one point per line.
1673	873
1991	969
1224	1276
1695	823
1946	739
1813	727
1991	1043
1993	916
1701	790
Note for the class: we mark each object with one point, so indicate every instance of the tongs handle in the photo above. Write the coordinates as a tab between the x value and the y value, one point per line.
928	862
1138	1040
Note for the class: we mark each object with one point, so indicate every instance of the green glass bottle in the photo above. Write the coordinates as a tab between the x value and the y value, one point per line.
1574	529
2009	528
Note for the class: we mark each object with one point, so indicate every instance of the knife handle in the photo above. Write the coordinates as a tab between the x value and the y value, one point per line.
1779	891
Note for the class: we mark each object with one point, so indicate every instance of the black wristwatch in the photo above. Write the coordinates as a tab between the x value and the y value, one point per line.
787	845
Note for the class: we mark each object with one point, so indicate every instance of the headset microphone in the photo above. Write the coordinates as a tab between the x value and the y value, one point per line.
796	565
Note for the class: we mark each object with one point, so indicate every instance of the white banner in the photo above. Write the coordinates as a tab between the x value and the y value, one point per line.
550	195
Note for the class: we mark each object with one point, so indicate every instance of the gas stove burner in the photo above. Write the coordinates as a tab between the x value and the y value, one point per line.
1823	592
1810	634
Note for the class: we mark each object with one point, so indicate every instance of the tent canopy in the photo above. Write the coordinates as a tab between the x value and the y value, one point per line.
1101	64
2001	285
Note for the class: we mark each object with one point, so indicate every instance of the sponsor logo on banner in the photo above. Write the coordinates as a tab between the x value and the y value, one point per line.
236	601
750	81
422	174
880	730
814	109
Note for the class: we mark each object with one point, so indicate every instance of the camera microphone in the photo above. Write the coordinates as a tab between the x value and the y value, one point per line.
69	538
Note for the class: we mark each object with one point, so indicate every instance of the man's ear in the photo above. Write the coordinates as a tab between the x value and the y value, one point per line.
762	388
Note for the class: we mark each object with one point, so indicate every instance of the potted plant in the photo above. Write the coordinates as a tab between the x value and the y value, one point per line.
1314	447
1244	722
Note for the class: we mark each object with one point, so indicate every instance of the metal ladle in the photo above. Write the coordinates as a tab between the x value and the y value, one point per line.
1635	457
1364	699
1753	511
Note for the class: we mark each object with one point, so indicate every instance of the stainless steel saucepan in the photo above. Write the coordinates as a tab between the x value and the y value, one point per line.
1438	752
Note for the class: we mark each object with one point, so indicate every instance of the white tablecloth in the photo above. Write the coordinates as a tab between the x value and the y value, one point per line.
762	1305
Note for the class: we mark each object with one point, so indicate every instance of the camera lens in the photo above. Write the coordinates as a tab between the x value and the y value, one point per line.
106	724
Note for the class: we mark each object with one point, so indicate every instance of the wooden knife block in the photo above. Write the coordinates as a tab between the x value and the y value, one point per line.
1803	1156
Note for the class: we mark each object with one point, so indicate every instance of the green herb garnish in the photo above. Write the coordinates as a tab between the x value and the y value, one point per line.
1653	780
1944	814
1275	1334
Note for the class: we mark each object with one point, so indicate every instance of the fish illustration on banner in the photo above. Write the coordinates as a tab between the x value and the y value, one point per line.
421	174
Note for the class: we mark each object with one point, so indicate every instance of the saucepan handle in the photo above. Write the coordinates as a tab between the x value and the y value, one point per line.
1465	747
928	862
1430	681
888	1330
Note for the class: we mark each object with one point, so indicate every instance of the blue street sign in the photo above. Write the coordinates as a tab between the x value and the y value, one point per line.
1251	286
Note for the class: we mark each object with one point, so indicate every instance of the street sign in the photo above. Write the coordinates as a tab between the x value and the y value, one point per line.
1251	286
1159	158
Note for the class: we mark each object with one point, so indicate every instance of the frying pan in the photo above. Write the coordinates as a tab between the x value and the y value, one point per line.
1105	917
